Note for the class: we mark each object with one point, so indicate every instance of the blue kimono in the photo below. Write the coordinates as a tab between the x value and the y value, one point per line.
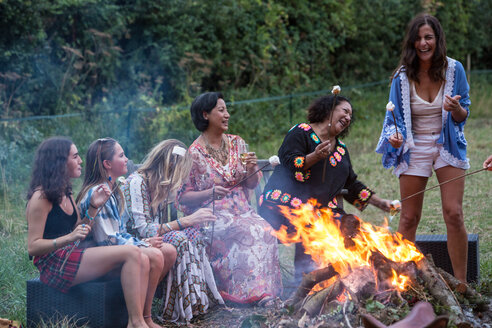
451	142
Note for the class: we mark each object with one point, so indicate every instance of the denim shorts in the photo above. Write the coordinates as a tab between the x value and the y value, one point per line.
425	155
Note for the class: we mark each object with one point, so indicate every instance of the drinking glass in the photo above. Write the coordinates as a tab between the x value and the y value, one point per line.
243	149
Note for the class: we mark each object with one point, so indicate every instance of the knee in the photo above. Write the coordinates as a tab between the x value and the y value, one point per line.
144	262
133	253
409	220
156	258
454	218
169	253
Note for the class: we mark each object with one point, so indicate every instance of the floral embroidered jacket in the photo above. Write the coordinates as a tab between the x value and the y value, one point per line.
451	142
291	184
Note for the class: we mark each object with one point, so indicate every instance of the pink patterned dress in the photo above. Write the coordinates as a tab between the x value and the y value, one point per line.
244	254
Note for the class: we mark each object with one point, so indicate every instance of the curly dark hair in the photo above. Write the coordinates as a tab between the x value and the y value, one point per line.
203	103
320	110
49	170
409	59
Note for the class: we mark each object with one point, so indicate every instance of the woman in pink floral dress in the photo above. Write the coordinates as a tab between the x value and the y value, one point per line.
244	255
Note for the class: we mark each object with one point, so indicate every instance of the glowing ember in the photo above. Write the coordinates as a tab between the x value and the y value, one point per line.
322	238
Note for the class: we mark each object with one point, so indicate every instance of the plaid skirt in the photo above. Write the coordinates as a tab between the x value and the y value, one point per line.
49	266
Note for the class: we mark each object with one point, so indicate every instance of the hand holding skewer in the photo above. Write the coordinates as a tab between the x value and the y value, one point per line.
98	198
488	163
396	140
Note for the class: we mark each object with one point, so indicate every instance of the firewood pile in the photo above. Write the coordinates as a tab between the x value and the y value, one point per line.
362	283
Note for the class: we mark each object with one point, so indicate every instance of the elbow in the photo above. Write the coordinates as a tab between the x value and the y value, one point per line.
32	251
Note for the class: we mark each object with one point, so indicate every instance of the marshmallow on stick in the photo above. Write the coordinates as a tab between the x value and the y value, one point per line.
390	107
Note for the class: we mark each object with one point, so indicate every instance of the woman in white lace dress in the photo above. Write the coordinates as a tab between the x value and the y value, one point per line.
190	287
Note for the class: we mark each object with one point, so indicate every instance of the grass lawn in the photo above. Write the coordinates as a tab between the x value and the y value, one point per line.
15	266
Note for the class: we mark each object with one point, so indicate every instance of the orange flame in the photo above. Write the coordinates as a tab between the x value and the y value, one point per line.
321	237
399	281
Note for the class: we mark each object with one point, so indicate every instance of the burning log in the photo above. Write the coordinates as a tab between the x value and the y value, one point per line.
386	268
314	303
309	281
440	290
360	283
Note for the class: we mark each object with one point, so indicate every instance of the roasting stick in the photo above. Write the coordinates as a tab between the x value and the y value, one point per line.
396	204
440	184
213	223
77	242
336	90
274	161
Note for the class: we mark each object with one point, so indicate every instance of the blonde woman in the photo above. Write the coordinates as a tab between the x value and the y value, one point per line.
191	288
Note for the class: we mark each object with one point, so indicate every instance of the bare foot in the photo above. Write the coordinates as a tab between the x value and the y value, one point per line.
151	323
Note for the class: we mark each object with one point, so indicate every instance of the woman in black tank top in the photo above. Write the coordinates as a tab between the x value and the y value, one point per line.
55	227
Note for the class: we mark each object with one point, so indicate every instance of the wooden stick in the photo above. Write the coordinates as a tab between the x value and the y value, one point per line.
329	119
396	128
450	180
237	184
213	223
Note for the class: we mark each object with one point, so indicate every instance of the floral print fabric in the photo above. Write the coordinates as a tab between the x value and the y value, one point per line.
293	185
190	285
244	255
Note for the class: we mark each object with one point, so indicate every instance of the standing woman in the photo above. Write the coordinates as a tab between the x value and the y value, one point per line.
244	254
54	227
191	288
430	93
106	161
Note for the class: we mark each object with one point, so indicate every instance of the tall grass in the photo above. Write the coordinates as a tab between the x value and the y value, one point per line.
264	126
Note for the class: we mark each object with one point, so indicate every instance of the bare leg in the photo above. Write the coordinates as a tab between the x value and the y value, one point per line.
169	253
98	261
452	210
156	264
411	209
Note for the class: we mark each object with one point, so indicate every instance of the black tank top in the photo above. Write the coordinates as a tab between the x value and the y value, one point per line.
59	223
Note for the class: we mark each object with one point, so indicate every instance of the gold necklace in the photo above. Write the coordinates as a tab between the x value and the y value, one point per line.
221	155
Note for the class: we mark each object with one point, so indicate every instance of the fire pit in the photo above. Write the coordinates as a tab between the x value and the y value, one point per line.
366	269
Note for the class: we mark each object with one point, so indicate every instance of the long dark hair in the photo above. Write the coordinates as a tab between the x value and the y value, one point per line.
409	59
49	170
95	173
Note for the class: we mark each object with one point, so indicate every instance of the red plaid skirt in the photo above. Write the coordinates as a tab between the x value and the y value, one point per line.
49	267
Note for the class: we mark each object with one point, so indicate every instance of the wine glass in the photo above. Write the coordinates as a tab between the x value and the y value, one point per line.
243	149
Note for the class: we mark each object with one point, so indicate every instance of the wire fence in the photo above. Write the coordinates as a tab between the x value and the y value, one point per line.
231	103
262	121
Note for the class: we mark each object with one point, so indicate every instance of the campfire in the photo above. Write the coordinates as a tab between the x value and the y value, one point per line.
365	269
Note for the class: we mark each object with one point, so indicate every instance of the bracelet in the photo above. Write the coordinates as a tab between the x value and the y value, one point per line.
88	216
54	243
168	226
179	224
90	204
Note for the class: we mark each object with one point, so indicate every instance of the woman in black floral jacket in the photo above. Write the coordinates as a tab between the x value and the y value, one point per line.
303	173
